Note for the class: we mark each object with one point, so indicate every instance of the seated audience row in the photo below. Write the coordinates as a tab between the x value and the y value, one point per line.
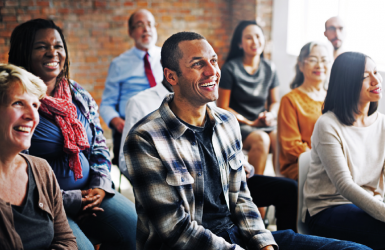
168	182
70	138
185	163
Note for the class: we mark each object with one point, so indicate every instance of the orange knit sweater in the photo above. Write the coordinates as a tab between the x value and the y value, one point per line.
297	116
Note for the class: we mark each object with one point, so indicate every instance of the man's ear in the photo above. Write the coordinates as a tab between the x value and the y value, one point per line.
129	32
325	33
170	76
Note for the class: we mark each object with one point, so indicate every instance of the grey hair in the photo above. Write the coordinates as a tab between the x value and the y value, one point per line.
305	52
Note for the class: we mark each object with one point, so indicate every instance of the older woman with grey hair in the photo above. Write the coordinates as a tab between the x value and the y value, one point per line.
31	207
301	107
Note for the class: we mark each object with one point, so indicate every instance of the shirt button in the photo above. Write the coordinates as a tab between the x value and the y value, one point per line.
193	143
41	205
199	174
182	179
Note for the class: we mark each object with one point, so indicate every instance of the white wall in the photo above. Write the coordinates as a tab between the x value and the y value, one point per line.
284	62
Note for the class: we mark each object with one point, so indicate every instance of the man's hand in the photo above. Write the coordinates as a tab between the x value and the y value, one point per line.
118	124
268	248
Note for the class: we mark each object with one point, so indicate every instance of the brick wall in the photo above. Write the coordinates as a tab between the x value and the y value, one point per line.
96	30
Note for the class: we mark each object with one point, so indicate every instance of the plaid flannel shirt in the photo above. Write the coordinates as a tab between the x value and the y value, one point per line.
165	169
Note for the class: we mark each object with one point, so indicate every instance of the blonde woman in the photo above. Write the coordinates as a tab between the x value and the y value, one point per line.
31	208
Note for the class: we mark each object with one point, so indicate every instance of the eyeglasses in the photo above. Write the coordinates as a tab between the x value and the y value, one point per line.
141	25
313	61
334	29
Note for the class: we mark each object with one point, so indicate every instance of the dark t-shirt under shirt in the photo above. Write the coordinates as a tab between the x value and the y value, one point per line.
33	225
249	93
216	215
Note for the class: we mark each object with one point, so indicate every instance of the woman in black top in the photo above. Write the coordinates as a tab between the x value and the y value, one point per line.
249	89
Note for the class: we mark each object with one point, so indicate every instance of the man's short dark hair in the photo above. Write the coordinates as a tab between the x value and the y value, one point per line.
345	86
131	21
171	54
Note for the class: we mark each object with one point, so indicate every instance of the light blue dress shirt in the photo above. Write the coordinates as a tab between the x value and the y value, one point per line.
126	78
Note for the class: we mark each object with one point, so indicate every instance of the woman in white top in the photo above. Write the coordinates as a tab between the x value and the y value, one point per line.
344	190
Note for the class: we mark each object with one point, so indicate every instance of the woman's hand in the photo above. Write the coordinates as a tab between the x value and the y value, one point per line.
269	119
93	198
265	119
260	121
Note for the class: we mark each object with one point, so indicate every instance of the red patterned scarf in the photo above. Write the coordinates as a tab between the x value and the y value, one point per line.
61	109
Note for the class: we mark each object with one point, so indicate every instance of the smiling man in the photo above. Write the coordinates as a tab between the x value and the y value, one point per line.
335	33
185	163
133	71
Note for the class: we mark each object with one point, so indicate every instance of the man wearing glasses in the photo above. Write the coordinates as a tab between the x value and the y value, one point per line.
133	71
335	33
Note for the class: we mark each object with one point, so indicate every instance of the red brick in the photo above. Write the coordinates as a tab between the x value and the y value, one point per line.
91	59
48	11
6	11
100	4
5	33
42	3
128	3
2	41
166	18
64	11
189	18
141	4
78	11
11	3
8	18
33	11
12	26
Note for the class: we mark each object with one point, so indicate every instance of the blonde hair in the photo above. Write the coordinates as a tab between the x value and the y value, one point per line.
11	74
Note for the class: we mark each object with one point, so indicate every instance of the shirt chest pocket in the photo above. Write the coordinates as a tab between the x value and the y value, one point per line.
179	179
236	161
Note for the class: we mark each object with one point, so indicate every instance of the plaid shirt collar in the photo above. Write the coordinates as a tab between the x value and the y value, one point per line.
174	125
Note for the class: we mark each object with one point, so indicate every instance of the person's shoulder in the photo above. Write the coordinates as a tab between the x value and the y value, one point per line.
124	56
37	163
293	95
157	50
76	86
232	64
268	65
328	121
78	89
381	119
148	124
